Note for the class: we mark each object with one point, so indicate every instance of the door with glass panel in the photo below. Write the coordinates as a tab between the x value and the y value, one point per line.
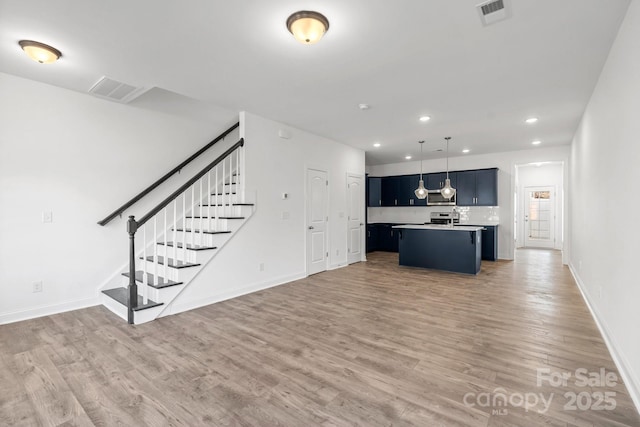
539	217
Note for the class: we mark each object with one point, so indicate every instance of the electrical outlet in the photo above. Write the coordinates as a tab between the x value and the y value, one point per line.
37	286
337	252
262	266
47	216
286	215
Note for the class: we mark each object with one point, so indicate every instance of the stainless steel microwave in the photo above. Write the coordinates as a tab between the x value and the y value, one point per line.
435	198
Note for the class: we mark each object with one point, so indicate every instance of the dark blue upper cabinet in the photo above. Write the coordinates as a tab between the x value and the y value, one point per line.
414	180
487	187
477	187
390	186
435	181
474	188
406	192
466	188
374	189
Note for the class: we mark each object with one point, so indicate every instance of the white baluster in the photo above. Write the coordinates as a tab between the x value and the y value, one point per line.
237	180
224	178
144	264
201	225
155	252
244	180
184	225
175	233
166	247
193	220
217	207
209	199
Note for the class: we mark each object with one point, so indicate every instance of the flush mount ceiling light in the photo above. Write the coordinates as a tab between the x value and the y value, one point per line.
425	118
531	120
407	157
377	144
421	192
40	52
537	142
364	106
466	150
307	26
448	191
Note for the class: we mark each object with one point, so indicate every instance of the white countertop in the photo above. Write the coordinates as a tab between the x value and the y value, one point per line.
439	227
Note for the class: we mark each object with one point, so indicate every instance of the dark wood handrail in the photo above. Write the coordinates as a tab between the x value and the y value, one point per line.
188	184
168	175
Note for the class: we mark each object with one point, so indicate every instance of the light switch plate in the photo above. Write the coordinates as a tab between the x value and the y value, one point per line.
47	216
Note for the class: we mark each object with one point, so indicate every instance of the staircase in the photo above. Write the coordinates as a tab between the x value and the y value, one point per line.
171	244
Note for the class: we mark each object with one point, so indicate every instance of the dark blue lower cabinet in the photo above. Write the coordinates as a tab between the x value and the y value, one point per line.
450	250
372	237
489	242
381	237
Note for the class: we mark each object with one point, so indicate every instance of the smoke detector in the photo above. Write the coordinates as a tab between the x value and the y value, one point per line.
114	90
493	11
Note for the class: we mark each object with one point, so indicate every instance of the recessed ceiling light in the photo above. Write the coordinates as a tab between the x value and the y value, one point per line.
536	142
425	118
408	157
466	150
377	144
531	120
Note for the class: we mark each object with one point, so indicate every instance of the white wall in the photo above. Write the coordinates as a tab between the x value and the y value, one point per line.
79	157
543	175
505	162
605	243
274	166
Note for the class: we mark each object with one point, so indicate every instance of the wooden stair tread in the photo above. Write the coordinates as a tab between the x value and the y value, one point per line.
162	282
188	230
122	296
171	262
213	218
190	247
226	204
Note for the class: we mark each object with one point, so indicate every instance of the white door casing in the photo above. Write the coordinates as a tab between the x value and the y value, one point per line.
355	217
317	201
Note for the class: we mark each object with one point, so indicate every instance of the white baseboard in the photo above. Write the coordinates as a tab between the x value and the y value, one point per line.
48	310
627	373
181	306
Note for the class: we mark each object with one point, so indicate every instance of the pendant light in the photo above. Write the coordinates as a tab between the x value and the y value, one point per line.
421	192
448	191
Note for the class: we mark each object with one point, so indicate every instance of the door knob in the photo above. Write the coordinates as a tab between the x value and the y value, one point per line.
311	227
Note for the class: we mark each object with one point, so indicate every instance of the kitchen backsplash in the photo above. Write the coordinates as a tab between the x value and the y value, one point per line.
417	215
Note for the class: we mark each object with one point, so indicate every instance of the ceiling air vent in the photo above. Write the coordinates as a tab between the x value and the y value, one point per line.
493	11
114	90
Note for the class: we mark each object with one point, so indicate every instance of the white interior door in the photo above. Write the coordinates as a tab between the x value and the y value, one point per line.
539	217
355	219
316	221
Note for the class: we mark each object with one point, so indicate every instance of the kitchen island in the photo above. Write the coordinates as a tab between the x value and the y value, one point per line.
457	249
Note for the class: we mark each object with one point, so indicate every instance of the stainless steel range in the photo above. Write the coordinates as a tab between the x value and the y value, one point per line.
445	217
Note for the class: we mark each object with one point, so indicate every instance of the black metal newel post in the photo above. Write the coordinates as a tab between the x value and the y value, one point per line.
132	227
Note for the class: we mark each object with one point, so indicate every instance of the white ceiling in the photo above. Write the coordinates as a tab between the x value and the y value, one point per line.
405	58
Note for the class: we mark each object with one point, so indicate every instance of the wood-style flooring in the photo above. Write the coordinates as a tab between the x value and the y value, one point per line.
372	344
